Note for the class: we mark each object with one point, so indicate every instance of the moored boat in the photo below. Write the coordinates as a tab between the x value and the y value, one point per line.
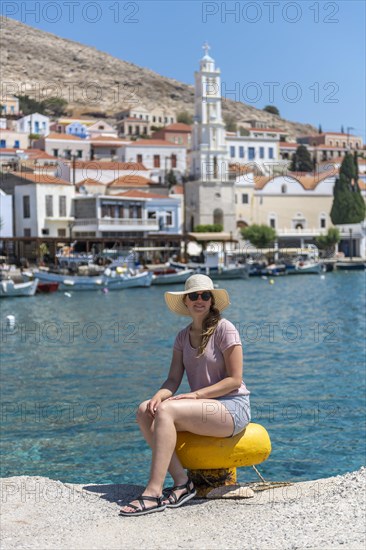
81	282
9	289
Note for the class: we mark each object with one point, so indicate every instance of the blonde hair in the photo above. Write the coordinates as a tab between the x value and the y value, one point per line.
209	326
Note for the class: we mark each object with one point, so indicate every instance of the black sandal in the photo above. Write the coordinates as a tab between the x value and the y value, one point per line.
185	497
142	510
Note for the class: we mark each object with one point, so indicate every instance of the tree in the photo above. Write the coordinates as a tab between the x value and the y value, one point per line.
260	236
184	117
271	109
55	106
209	228
301	160
170	179
328	241
28	105
230	123
320	130
243	131
348	204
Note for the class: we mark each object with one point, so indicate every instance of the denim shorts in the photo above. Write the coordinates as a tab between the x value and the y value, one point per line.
239	408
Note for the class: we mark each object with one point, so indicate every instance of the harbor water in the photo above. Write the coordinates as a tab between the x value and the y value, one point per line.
75	366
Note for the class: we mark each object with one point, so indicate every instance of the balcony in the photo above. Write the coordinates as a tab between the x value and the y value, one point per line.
304	232
118	224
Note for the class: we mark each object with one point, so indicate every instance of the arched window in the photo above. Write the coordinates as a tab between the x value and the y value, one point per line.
218	216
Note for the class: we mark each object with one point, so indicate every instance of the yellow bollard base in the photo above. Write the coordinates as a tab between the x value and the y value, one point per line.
206	480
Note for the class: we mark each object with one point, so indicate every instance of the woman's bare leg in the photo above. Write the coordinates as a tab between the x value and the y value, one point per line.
146	423
203	417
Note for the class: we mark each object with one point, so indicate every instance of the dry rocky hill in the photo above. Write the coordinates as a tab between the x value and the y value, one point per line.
42	65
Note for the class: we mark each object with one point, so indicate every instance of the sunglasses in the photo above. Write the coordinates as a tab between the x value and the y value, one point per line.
205	296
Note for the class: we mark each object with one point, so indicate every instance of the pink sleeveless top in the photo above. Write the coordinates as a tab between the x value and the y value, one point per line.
210	367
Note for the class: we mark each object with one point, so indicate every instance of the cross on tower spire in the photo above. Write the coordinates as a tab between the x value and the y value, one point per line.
206	47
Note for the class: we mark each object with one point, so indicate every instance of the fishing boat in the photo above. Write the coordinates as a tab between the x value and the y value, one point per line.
304	267
216	267
46	288
170	275
117	281
9	289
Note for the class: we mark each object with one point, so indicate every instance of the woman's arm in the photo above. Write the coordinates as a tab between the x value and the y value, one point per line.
233	358
171	384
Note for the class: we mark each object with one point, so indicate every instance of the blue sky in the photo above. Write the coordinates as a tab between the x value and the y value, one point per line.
309	54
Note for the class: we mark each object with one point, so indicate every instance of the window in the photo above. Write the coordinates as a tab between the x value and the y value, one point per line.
272	223
283	188
113	152
137	130
270	152
61	232
45	231
36	127
130	129
12	109
100	127
241	152
139	158
232	151
27	232
154	118
251	153
245	198
49	206
55	152
156	161
26	206
218	216
151	215
16	144
174	161
3	143
67	153
323	223
145	131
261	152
62	206
169	218
79	153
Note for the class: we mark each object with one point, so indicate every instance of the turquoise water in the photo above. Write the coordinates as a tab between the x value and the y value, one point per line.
73	370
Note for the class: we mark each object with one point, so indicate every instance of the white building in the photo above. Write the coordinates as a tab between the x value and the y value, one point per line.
42	206
157	155
209	149
6	215
103	172
261	152
34	124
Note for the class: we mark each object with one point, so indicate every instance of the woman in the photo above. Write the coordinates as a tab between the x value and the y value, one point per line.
209	350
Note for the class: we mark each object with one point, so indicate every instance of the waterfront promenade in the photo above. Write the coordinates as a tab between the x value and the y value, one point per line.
327	513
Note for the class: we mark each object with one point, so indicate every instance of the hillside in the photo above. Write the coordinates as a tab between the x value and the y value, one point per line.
42	65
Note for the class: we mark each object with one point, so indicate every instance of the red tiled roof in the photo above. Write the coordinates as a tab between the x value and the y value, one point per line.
9	150
97	139
307	180
178	127
285	144
41	177
153	143
128	180
177	190
34	154
141	194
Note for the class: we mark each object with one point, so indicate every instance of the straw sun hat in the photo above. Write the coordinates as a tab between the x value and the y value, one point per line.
196	283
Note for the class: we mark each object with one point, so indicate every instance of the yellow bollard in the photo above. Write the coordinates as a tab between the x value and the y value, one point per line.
212	461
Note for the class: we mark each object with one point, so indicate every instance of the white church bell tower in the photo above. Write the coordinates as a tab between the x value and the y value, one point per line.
209	153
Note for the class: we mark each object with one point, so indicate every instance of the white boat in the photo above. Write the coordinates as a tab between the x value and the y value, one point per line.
78	282
10	289
169	276
305	267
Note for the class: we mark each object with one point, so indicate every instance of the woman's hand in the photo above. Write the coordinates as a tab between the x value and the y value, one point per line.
153	405
191	395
